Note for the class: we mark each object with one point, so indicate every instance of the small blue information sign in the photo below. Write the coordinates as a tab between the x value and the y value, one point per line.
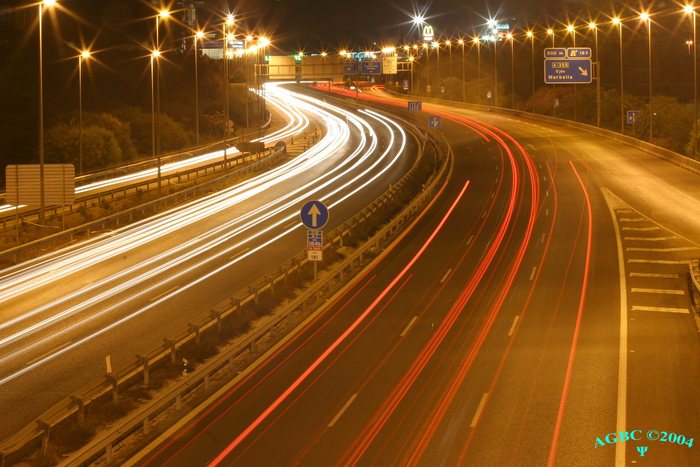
434	121
350	68
314	215
556	52
371	67
632	116
568	71
578	52
415	106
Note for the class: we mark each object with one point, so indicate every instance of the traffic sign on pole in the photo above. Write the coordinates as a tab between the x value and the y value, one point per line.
350	68
568	71
370	67
632	116
314	215
415	106
314	245
434	121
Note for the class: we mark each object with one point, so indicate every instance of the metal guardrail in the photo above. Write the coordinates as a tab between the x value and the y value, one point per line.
694	284
41	428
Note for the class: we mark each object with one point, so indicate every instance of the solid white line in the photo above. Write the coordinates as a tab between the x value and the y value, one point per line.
630	219
650	239
469	240
546	212
484	214
662	250
342	411
163	294
621	419
512	327
532	274
42	356
662	309
659	291
651	274
542	239
408	326
657	261
445	276
641	229
479	409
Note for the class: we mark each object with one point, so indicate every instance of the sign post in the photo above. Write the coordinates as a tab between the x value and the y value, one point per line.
571	65
434	121
314	215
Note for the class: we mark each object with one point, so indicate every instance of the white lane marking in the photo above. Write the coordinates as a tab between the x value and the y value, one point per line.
408	326
493	194
650	239
478	410
484	214
632	219
546	212
291	224
445	276
658	291
662	250
163	294
640	229
42	356
239	253
469	240
532	274
342	410
656	261
662	309
542	239
652	274
512	327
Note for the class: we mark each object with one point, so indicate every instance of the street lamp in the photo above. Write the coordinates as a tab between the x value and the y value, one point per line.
411	60
690	10
155	147
476	40
464	76
428	88
84	55
618	22
550	32
226	37
509	37
572	30
644	16
199	35
531	36
495	70
592	26
436	46
42	197
448	43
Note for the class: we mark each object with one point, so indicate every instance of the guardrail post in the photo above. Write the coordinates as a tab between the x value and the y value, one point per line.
81	409
206	382
45	429
144	361
146	426
112	379
217	316
195	329
109	453
173	351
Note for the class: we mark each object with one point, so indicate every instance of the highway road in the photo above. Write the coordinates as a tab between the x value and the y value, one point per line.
122	293
533	311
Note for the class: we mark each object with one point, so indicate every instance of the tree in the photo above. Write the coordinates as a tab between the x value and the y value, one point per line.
100	146
672	123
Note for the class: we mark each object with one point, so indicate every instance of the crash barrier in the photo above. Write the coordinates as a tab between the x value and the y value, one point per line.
73	410
694	285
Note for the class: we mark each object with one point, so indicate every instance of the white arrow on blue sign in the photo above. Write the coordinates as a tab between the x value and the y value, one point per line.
434	121
632	116
314	215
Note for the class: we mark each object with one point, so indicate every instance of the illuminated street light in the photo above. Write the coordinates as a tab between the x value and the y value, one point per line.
550	32
531	36
464	73
571	30
509	37
644	16
230	19
690	10
418	19
616	21
155	149
42	198
448	44
198	36
592	26
477	41
84	55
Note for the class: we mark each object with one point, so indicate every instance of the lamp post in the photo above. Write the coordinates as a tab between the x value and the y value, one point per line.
592	26
571	30
448	43
690	10
464	75
618	22
428	87
509	36
84	55
495	70
162	15
42	197
476	40
155	149
531	36
436	46
644	16
550	32
411	60
199	35
226	37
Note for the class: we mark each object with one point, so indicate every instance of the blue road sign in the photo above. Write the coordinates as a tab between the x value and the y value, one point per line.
578	52
556	52
314	215
314	240
632	116
415	106
350	68
434	121
568	71
371	67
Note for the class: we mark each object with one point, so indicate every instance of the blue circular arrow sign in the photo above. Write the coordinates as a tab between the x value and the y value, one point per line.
314	215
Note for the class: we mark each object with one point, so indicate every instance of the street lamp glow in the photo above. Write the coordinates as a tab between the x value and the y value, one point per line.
418	20
616	21
230	37
407	48
475	39
230	19
448	43
163	13
249	38
592	25
688	9
460	41
492	23
199	35
644	16
425	45
435	45
85	54
509	36
49	3
415	46
155	54
570	28
550	31
324	54
264	42
529	33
